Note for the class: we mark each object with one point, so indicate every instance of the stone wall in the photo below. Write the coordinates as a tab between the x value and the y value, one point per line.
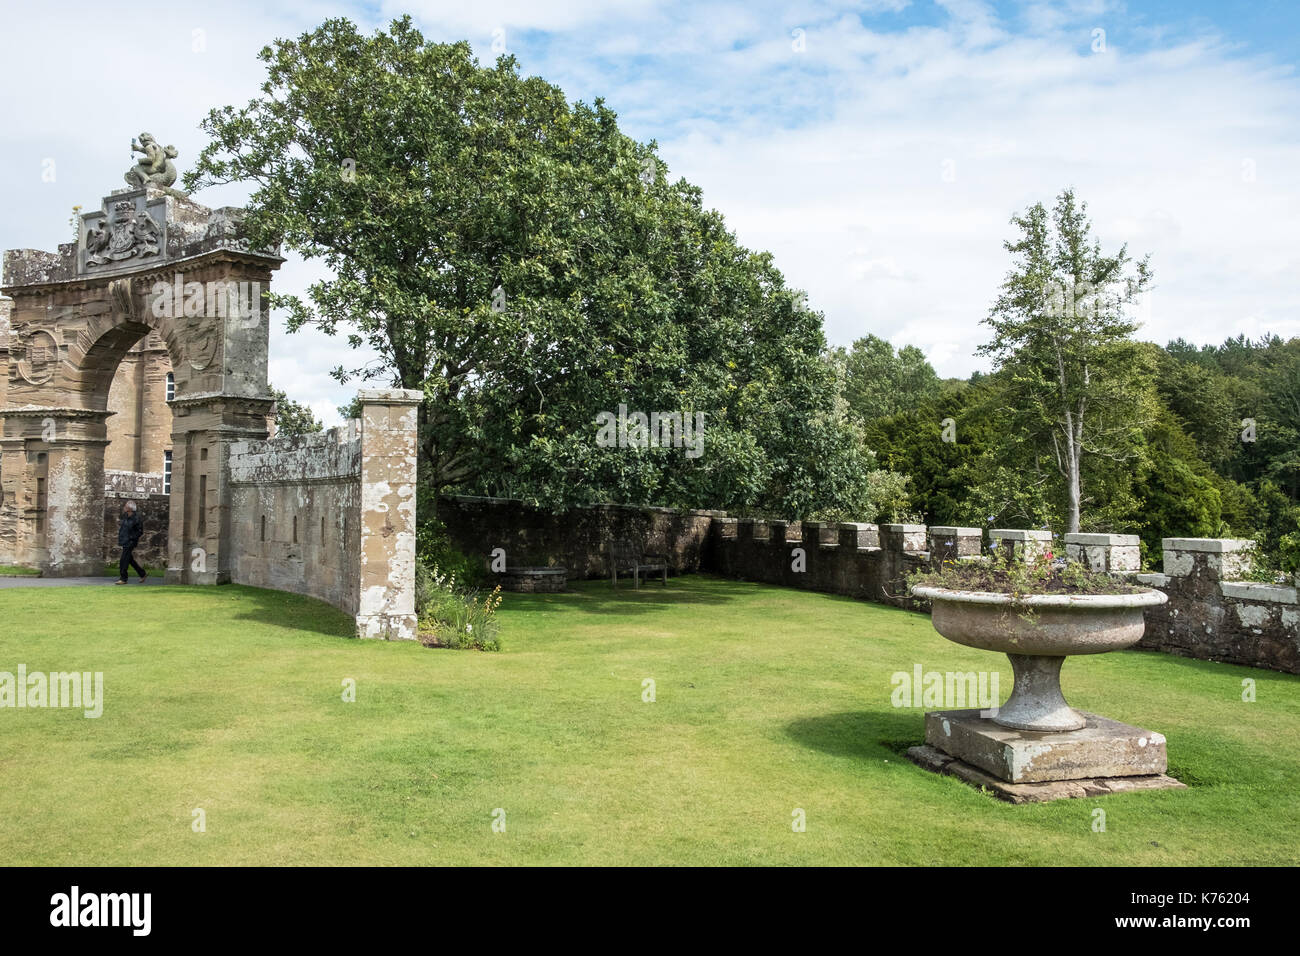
6	309
332	515
299	502
865	561
1214	615
154	508
576	540
1211	614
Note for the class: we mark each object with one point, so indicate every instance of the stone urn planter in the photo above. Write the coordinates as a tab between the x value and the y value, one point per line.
1037	632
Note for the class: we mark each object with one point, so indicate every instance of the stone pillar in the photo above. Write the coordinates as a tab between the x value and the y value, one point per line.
52	480
13	468
1209	559
858	534
199	537
745	530
949	543
75	495
1023	545
178	541
6	309
1104	552
902	537
816	533
386	608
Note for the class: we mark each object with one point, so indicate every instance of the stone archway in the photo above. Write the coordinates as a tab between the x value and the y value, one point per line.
151	260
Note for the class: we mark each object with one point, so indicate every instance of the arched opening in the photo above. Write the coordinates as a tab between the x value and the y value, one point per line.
138	456
139	431
107	360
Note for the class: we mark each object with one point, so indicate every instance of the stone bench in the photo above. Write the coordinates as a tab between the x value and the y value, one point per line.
534	580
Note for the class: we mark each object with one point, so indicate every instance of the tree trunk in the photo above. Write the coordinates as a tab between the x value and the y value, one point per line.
1073	524
1075	452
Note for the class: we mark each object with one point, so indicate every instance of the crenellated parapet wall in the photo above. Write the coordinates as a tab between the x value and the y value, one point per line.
1214	614
332	515
866	561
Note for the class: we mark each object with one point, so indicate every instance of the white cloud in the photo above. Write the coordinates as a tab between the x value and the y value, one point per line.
833	157
481	17
1157	143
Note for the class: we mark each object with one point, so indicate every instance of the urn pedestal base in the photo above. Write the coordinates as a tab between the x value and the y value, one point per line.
1104	756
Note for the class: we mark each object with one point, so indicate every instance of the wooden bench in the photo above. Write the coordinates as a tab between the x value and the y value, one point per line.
631	559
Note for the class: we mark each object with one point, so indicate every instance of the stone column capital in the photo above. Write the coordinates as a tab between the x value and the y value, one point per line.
390	396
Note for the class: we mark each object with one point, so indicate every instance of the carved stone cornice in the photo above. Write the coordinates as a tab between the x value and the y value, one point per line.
138	232
220	398
34	411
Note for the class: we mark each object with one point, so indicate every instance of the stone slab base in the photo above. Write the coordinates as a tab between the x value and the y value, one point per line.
1103	748
937	761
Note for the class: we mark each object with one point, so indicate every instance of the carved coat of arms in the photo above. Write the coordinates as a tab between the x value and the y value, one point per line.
203	346
38	355
129	233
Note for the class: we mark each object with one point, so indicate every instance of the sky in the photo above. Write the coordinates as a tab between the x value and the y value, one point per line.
877	149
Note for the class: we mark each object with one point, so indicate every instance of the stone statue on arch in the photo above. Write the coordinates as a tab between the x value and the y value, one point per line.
155	167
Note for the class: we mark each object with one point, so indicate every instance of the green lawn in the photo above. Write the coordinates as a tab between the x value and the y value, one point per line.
110	570
768	700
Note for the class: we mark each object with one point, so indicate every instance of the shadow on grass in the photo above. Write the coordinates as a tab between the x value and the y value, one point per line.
1195	665
860	733
292	611
598	597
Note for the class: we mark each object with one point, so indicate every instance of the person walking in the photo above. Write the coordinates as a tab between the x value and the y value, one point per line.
129	530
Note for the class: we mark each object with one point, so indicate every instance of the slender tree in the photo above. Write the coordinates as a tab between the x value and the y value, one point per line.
1062	335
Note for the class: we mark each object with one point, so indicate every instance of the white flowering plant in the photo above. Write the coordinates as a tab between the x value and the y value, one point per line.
455	616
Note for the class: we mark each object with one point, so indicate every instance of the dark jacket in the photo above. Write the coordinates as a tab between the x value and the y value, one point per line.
129	530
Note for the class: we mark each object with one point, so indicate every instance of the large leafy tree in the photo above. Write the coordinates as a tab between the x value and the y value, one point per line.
881	381
528	266
942	473
1203	399
1240	402
293	418
1078	385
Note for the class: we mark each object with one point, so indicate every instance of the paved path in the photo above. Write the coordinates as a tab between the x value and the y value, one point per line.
21	581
